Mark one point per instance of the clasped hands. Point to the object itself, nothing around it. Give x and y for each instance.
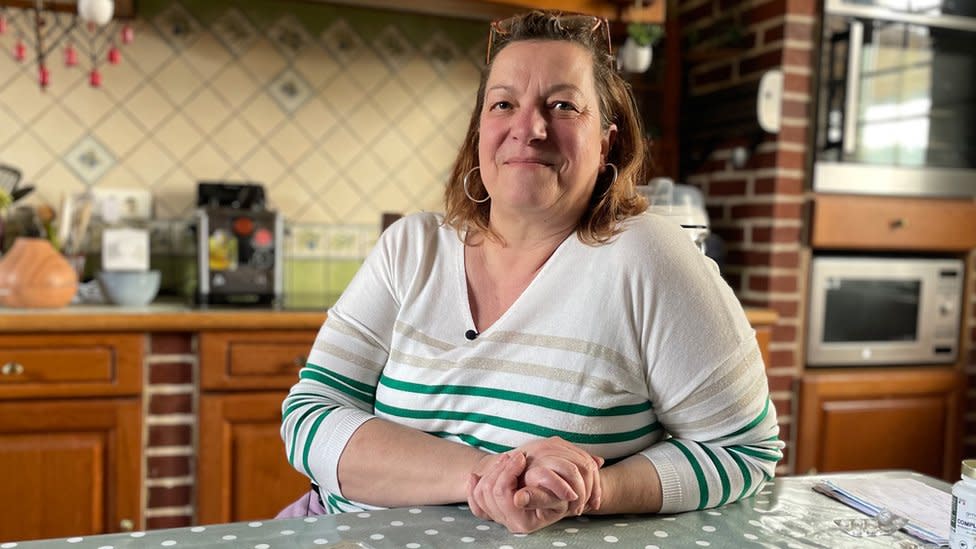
(535, 485)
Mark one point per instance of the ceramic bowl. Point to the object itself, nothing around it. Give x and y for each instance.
(129, 288)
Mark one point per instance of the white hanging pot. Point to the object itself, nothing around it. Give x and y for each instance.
(98, 12)
(634, 57)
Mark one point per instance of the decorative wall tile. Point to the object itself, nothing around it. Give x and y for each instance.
(337, 121)
(235, 31)
(289, 36)
(290, 90)
(342, 41)
(89, 159)
(177, 26)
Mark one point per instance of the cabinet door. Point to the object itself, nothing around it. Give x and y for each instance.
(69, 468)
(243, 473)
(880, 419)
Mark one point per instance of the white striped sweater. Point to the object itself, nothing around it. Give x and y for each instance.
(636, 346)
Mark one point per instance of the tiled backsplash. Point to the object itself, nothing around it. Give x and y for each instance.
(341, 112)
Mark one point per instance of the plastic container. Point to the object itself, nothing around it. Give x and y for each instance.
(962, 521)
(683, 204)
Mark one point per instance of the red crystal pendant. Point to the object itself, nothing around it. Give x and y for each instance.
(114, 56)
(43, 76)
(20, 51)
(70, 56)
(3, 24)
(95, 78)
(127, 34)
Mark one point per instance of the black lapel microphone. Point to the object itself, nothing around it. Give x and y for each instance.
(471, 335)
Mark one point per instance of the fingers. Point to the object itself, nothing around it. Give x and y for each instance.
(531, 497)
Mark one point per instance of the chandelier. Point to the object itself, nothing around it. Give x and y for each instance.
(82, 30)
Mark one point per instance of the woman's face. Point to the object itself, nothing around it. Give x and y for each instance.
(541, 145)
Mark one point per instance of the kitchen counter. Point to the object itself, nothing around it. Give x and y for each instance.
(785, 513)
(166, 317)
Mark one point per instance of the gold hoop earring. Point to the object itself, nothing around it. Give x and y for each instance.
(464, 184)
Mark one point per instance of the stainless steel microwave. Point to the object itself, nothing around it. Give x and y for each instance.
(895, 99)
(884, 310)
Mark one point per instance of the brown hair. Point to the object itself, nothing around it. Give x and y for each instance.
(613, 199)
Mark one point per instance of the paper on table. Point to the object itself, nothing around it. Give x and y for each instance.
(921, 504)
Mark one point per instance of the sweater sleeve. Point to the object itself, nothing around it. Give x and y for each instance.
(708, 384)
(336, 387)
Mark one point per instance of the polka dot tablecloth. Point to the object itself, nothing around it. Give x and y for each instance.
(786, 513)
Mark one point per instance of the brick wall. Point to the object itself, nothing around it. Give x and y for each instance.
(170, 424)
(756, 208)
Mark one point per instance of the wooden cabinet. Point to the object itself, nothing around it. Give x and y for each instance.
(851, 222)
(242, 471)
(70, 434)
(859, 419)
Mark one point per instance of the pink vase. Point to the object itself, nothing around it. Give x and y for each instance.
(34, 274)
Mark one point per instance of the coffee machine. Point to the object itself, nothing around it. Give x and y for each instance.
(239, 246)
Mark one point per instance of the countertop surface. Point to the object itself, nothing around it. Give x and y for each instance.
(180, 317)
(786, 513)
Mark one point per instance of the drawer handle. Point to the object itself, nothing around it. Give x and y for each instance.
(300, 361)
(126, 525)
(898, 223)
(12, 369)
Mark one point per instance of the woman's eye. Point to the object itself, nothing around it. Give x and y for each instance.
(563, 106)
(501, 106)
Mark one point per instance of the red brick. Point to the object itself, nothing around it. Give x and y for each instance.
(784, 333)
(171, 344)
(734, 280)
(177, 496)
(795, 109)
(802, 7)
(774, 34)
(793, 134)
(782, 405)
(798, 30)
(171, 404)
(796, 57)
(767, 283)
(696, 14)
(764, 12)
(727, 187)
(785, 308)
(716, 212)
(790, 160)
(784, 435)
(779, 185)
(722, 73)
(731, 235)
(170, 435)
(159, 523)
(780, 383)
(797, 83)
(767, 209)
(783, 235)
(168, 466)
(783, 359)
(760, 62)
(174, 373)
(766, 159)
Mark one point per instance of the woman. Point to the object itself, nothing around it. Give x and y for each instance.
(545, 349)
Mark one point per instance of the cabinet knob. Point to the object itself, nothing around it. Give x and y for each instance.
(12, 369)
(126, 525)
(898, 223)
(300, 361)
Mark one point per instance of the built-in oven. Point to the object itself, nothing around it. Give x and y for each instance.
(896, 98)
(884, 310)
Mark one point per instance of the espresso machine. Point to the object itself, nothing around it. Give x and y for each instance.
(239, 246)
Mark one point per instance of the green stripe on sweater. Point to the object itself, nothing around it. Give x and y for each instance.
(722, 474)
(699, 473)
(515, 425)
(746, 476)
(337, 382)
(515, 396)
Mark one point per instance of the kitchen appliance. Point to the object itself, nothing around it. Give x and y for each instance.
(884, 310)
(896, 100)
(239, 246)
(683, 204)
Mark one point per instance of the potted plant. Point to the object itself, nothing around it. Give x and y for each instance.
(637, 51)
